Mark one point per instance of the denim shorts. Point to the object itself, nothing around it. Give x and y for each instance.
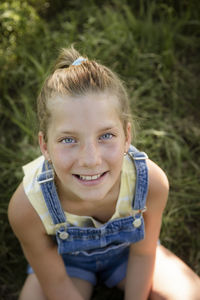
(108, 266)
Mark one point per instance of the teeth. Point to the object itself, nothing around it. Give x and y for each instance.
(89, 177)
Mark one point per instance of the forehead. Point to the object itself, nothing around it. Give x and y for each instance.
(103, 103)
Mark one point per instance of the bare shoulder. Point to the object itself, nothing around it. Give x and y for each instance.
(158, 186)
(22, 215)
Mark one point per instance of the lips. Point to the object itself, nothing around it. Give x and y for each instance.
(87, 178)
(94, 177)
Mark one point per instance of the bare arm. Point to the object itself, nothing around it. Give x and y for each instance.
(142, 254)
(40, 250)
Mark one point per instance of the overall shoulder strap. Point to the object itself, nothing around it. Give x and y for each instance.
(46, 181)
(141, 188)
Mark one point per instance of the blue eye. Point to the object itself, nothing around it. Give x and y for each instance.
(68, 140)
(106, 136)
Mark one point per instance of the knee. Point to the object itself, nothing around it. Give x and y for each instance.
(173, 279)
(182, 287)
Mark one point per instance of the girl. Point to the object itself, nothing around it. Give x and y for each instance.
(90, 207)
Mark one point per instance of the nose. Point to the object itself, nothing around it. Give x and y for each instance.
(90, 155)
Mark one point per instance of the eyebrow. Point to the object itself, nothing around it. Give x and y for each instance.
(107, 128)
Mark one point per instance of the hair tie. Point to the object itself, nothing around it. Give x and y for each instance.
(78, 61)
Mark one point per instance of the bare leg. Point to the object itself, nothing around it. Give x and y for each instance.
(33, 291)
(85, 287)
(172, 279)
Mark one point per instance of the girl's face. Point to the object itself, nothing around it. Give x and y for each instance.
(86, 145)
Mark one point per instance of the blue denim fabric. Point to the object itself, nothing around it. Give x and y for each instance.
(101, 252)
(109, 268)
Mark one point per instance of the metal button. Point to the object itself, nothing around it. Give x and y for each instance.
(137, 222)
(63, 235)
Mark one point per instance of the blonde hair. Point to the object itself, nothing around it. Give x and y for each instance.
(73, 80)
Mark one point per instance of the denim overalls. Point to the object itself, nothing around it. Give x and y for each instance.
(101, 252)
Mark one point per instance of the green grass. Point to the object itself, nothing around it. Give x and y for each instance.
(154, 47)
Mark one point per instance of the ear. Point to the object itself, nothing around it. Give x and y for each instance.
(128, 136)
(43, 145)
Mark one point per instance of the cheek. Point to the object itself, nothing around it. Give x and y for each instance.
(60, 159)
(62, 168)
(115, 157)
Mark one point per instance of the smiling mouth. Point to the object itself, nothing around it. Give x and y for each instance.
(89, 177)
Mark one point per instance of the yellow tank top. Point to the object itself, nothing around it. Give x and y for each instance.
(35, 196)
